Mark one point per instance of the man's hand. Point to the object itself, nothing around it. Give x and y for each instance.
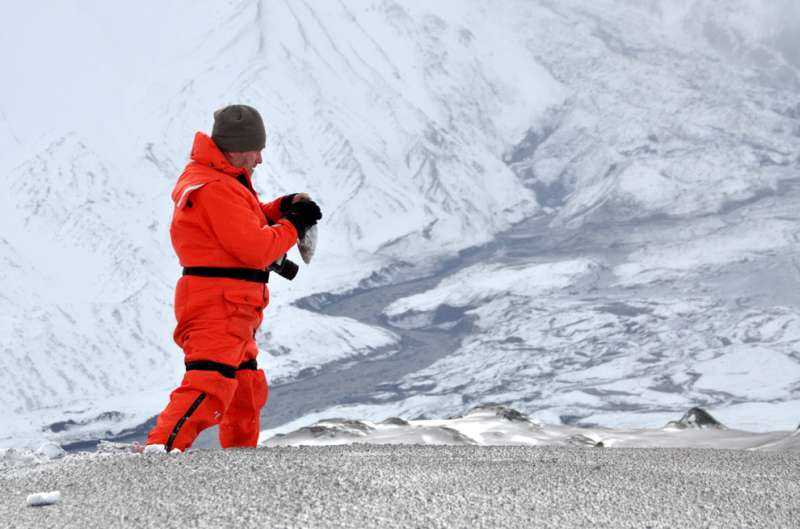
(289, 200)
(303, 213)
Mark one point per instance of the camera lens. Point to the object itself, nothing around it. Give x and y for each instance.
(285, 268)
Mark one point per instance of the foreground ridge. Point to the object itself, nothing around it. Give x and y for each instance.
(411, 486)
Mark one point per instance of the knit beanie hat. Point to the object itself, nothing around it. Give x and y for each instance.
(238, 128)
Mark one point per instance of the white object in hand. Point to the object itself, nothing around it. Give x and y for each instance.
(43, 498)
(308, 244)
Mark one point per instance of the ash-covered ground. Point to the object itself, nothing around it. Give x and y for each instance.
(411, 486)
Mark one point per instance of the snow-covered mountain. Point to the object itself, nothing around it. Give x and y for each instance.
(394, 116)
(662, 273)
(422, 129)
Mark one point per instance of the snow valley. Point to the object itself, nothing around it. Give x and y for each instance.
(623, 175)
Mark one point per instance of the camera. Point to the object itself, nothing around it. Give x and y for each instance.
(284, 267)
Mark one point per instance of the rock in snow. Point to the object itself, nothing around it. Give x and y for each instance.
(154, 449)
(696, 418)
(50, 451)
(40, 499)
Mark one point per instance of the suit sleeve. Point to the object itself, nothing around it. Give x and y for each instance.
(277, 208)
(239, 230)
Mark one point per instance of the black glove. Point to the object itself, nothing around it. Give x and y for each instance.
(303, 215)
(286, 203)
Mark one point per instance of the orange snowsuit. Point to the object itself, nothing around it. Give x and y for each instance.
(219, 222)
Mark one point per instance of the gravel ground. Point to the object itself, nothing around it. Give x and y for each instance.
(412, 486)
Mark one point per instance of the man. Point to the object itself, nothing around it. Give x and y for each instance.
(225, 239)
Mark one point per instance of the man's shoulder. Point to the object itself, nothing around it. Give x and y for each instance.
(197, 177)
(194, 177)
(195, 170)
(199, 174)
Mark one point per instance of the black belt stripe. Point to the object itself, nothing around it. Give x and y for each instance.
(206, 365)
(250, 364)
(196, 404)
(223, 369)
(245, 274)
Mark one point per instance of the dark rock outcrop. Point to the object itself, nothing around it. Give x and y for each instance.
(696, 418)
(500, 411)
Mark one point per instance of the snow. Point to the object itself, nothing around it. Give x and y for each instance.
(750, 415)
(422, 128)
(40, 499)
(85, 418)
(321, 339)
(88, 183)
(758, 372)
(484, 282)
(502, 426)
(50, 450)
(585, 349)
(16, 457)
(710, 245)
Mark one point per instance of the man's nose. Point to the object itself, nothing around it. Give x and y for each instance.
(258, 158)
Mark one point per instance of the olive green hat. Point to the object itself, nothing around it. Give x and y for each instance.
(239, 128)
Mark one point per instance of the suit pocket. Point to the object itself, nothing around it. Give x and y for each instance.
(244, 311)
(261, 389)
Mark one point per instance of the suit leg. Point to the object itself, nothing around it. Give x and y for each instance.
(197, 404)
(241, 422)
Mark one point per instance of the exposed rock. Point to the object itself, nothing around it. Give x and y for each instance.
(583, 440)
(336, 426)
(69, 424)
(500, 411)
(456, 436)
(696, 418)
(395, 421)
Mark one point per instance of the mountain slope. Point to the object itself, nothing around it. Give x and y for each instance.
(662, 272)
(639, 132)
(395, 116)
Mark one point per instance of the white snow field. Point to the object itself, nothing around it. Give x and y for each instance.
(655, 143)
